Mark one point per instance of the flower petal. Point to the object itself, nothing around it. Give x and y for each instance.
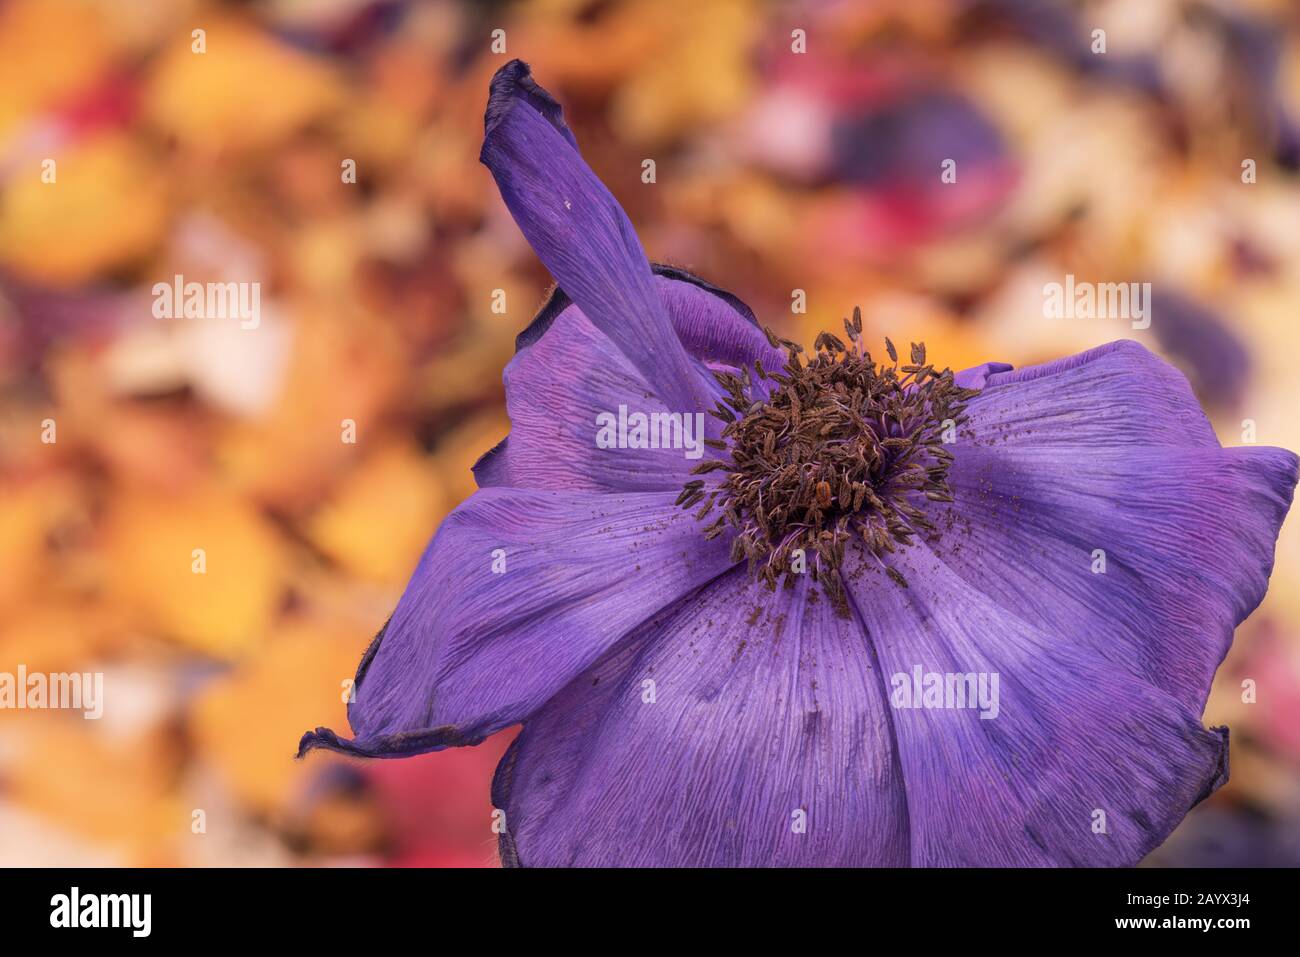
(976, 377)
(1079, 764)
(518, 593)
(1106, 456)
(567, 372)
(714, 325)
(741, 727)
(580, 232)
(1104, 670)
(557, 391)
(1147, 558)
(1116, 395)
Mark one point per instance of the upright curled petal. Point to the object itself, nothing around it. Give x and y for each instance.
(581, 234)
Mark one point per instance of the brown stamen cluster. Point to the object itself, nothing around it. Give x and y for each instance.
(840, 448)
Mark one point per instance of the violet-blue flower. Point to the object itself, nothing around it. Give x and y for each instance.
(890, 616)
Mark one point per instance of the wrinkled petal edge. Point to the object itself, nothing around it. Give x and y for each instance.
(514, 82)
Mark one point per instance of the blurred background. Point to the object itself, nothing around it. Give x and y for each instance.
(775, 171)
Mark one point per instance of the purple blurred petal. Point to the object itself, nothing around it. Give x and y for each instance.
(43, 316)
(764, 705)
(469, 651)
(1203, 343)
(1232, 837)
(581, 234)
(908, 138)
(1057, 27)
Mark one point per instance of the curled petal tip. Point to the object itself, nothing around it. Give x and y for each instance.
(403, 744)
(320, 738)
(977, 377)
(580, 232)
(511, 84)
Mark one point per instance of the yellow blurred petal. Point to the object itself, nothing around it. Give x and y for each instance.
(150, 552)
(339, 370)
(49, 50)
(248, 723)
(49, 633)
(701, 74)
(29, 511)
(379, 521)
(116, 791)
(246, 91)
(106, 208)
(903, 317)
(460, 448)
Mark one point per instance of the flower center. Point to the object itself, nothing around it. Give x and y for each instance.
(831, 448)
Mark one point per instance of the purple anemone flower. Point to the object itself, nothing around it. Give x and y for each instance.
(893, 615)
